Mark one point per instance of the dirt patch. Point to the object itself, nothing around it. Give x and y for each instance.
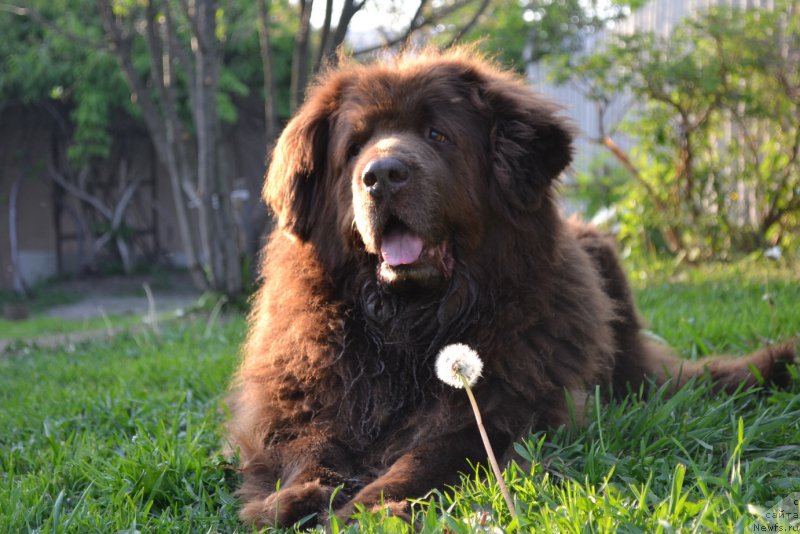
(118, 295)
(172, 294)
(99, 305)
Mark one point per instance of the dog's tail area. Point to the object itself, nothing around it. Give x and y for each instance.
(769, 365)
(640, 359)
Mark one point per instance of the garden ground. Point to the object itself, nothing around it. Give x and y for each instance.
(123, 434)
(76, 310)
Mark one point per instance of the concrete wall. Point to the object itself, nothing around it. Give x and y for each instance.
(23, 134)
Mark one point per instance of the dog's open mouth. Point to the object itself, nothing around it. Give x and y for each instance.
(405, 257)
(400, 245)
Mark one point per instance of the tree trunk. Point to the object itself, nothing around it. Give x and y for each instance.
(271, 123)
(19, 280)
(194, 174)
(217, 222)
(671, 233)
(300, 55)
(164, 129)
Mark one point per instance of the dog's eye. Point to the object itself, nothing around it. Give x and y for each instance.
(353, 151)
(437, 136)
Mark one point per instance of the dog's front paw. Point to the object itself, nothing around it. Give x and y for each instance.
(287, 506)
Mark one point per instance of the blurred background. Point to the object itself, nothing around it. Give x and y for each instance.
(134, 134)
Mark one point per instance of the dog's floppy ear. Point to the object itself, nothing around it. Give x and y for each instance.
(531, 142)
(295, 179)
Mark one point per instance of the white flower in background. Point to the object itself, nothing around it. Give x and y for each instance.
(456, 361)
(773, 253)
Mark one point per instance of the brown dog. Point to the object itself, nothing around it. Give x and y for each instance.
(416, 208)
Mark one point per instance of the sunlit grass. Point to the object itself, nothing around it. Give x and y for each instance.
(125, 435)
(118, 436)
(39, 326)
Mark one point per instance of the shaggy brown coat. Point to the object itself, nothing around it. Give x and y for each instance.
(416, 208)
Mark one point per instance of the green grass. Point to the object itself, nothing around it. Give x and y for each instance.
(45, 296)
(40, 325)
(111, 436)
(52, 293)
(722, 308)
(125, 435)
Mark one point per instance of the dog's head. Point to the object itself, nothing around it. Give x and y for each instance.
(409, 162)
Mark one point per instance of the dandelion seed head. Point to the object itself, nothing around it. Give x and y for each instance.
(457, 360)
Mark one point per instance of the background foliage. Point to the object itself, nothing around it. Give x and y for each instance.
(712, 142)
(45, 64)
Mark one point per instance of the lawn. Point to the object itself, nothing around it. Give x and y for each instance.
(38, 325)
(52, 294)
(125, 435)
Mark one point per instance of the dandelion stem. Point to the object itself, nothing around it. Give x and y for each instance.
(488, 446)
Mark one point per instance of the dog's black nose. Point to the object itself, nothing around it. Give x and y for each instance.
(385, 175)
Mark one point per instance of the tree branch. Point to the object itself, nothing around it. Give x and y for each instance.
(187, 11)
(468, 26)
(174, 47)
(267, 63)
(13, 237)
(36, 16)
(123, 202)
(300, 55)
(412, 24)
(672, 234)
(156, 46)
(121, 48)
(324, 44)
(79, 193)
(349, 9)
(415, 26)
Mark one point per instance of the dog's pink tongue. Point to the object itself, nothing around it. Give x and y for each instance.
(401, 248)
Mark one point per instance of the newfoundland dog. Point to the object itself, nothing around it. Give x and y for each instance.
(415, 208)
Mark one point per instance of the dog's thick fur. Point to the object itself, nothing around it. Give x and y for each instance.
(446, 152)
